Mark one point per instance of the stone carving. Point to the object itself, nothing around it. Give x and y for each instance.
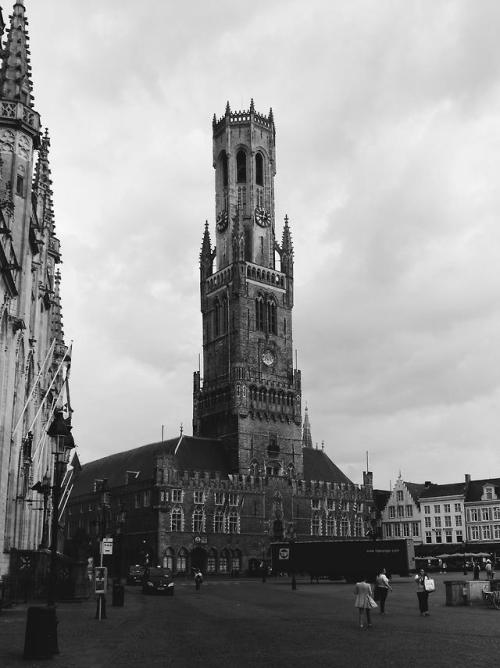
(24, 147)
(7, 141)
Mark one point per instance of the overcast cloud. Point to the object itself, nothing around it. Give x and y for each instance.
(388, 162)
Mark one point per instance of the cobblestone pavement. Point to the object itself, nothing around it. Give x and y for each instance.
(249, 623)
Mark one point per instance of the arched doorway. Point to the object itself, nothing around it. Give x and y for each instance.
(199, 559)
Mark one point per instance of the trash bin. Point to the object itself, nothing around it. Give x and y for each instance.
(118, 596)
(455, 592)
(40, 641)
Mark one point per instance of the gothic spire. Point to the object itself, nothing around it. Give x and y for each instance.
(286, 241)
(15, 72)
(42, 186)
(206, 245)
(306, 432)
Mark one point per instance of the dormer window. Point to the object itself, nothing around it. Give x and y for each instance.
(488, 493)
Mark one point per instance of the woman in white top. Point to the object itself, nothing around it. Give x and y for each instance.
(382, 587)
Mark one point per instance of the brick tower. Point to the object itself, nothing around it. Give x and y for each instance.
(250, 393)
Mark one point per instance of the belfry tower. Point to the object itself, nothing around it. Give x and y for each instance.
(250, 393)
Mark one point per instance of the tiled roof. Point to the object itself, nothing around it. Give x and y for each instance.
(192, 454)
(475, 489)
(453, 489)
(318, 466)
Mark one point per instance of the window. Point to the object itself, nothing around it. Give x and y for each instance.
(459, 536)
(359, 527)
(198, 497)
(485, 514)
(176, 496)
(427, 510)
(486, 532)
(259, 169)
(182, 561)
(163, 496)
(223, 564)
(447, 520)
(406, 529)
(146, 498)
(316, 525)
(448, 535)
(401, 511)
(458, 507)
(198, 521)
(415, 527)
(496, 513)
(225, 170)
(232, 499)
(458, 520)
(428, 537)
(409, 511)
(428, 523)
(399, 495)
(392, 512)
(397, 530)
(271, 317)
(211, 563)
(176, 520)
(259, 314)
(330, 504)
(439, 537)
(20, 185)
(219, 522)
(315, 504)
(330, 525)
(137, 500)
(437, 522)
(437, 509)
(241, 167)
(474, 515)
(388, 530)
(344, 527)
(233, 522)
(219, 498)
(235, 565)
(496, 531)
(488, 492)
(447, 508)
(474, 533)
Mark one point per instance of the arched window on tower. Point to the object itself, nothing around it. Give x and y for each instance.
(260, 319)
(217, 317)
(271, 317)
(259, 169)
(241, 167)
(225, 169)
(224, 316)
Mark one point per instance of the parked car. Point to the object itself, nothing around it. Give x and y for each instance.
(158, 580)
(135, 575)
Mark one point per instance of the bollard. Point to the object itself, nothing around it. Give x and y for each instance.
(40, 641)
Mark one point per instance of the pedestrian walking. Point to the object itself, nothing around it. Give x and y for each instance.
(198, 579)
(424, 585)
(382, 587)
(364, 602)
(476, 569)
(489, 570)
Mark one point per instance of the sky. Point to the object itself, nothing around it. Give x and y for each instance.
(388, 162)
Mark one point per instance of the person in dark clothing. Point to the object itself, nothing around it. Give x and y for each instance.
(476, 570)
(422, 593)
(382, 588)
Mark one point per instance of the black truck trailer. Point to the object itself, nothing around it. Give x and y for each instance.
(339, 559)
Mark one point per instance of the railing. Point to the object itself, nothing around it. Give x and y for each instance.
(18, 111)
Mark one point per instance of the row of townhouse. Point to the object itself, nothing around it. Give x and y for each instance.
(433, 514)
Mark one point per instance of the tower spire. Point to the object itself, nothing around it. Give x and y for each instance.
(42, 185)
(15, 71)
(306, 431)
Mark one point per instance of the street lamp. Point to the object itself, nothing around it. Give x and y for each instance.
(44, 488)
(60, 431)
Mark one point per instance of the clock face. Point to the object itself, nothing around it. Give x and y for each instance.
(222, 221)
(262, 216)
(268, 358)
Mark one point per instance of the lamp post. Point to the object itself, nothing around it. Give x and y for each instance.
(41, 628)
(44, 488)
(60, 431)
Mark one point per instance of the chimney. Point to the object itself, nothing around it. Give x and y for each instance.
(467, 478)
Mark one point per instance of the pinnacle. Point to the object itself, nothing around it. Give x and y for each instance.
(15, 74)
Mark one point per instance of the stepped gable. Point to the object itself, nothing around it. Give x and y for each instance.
(318, 466)
(475, 488)
(416, 489)
(190, 454)
(453, 489)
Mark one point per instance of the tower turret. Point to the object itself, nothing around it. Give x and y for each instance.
(306, 431)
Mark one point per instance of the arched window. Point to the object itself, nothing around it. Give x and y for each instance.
(241, 167)
(236, 562)
(224, 562)
(225, 169)
(224, 316)
(344, 527)
(168, 559)
(219, 521)
(198, 521)
(182, 561)
(330, 525)
(233, 522)
(211, 560)
(217, 317)
(176, 520)
(259, 169)
(260, 319)
(271, 317)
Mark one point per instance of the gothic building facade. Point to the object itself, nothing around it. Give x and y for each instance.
(34, 360)
(249, 474)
